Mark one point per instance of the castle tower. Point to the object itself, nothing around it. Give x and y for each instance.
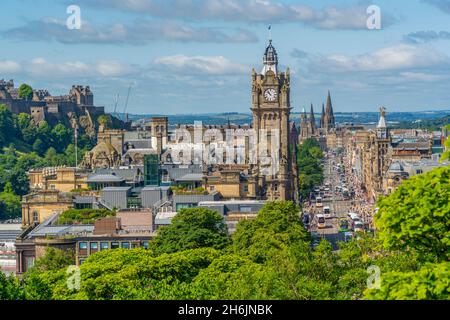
(271, 111)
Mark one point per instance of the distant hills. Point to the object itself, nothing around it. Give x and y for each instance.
(395, 119)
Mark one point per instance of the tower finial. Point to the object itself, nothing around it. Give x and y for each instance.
(270, 33)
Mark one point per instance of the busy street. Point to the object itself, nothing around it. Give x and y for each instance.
(338, 209)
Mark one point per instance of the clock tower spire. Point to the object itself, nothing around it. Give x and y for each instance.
(271, 108)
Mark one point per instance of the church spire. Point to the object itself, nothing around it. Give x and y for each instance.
(329, 121)
(312, 119)
(322, 118)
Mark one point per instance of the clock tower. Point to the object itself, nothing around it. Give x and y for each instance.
(271, 110)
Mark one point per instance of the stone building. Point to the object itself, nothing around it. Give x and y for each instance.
(271, 108)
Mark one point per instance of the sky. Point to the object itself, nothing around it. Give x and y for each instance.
(196, 56)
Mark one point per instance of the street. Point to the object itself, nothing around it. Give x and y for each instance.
(341, 194)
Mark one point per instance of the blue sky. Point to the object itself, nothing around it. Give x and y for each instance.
(196, 56)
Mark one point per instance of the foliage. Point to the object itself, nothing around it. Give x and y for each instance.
(10, 206)
(190, 229)
(309, 157)
(269, 257)
(27, 146)
(83, 216)
(446, 154)
(47, 271)
(417, 215)
(431, 282)
(10, 288)
(6, 124)
(25, 92)
(184, 189)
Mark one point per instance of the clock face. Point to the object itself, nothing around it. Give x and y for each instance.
(270, 95)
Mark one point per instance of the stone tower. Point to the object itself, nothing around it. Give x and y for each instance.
(381, 143)
(159, 131)
(271, 109)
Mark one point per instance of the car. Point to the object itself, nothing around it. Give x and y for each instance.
(343, 225)
(327, 212)
(358, 227)
(321, 223)
(348, 236)
(353, 216)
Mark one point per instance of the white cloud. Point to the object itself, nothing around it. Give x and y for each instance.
(264, 11)
(40, 68)
(215, 65)
(398, 57)
(137, 33)
(8, 66)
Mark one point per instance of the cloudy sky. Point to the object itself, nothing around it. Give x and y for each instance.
(196, 56)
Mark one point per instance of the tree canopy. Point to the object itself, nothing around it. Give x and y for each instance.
(417, 215)
(25, 92)
(191, 229)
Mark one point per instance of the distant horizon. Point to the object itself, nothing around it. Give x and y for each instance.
(249, 113)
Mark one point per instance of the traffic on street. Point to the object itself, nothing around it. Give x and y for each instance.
(337, 210)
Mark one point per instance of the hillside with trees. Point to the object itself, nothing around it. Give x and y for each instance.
(25, 145)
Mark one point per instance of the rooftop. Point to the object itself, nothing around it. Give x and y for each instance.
(99, 178)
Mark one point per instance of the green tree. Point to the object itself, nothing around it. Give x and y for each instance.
(7, 129)
(191, 229)
(25, 92)
(446, 154)
(416, 216)
(39, 146)
(10, 288)
(10, 203)
(47, 273)
(431, 282)
(309, 157)
(62, 137)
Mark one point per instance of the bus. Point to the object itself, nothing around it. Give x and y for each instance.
(327, 212)
(321, 222)
(319, 202)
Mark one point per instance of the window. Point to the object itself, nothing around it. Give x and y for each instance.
(104, 245)
(125, 245)
(82, 245)
(115, 245)
(29, 261)
(245, 188)
(246, 209)
(93, 246)
(35, 216)
(211, 188)
(145, 244)
(52, 187)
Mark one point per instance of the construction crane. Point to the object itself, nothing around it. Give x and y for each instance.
(126, 102)
(116, 102)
